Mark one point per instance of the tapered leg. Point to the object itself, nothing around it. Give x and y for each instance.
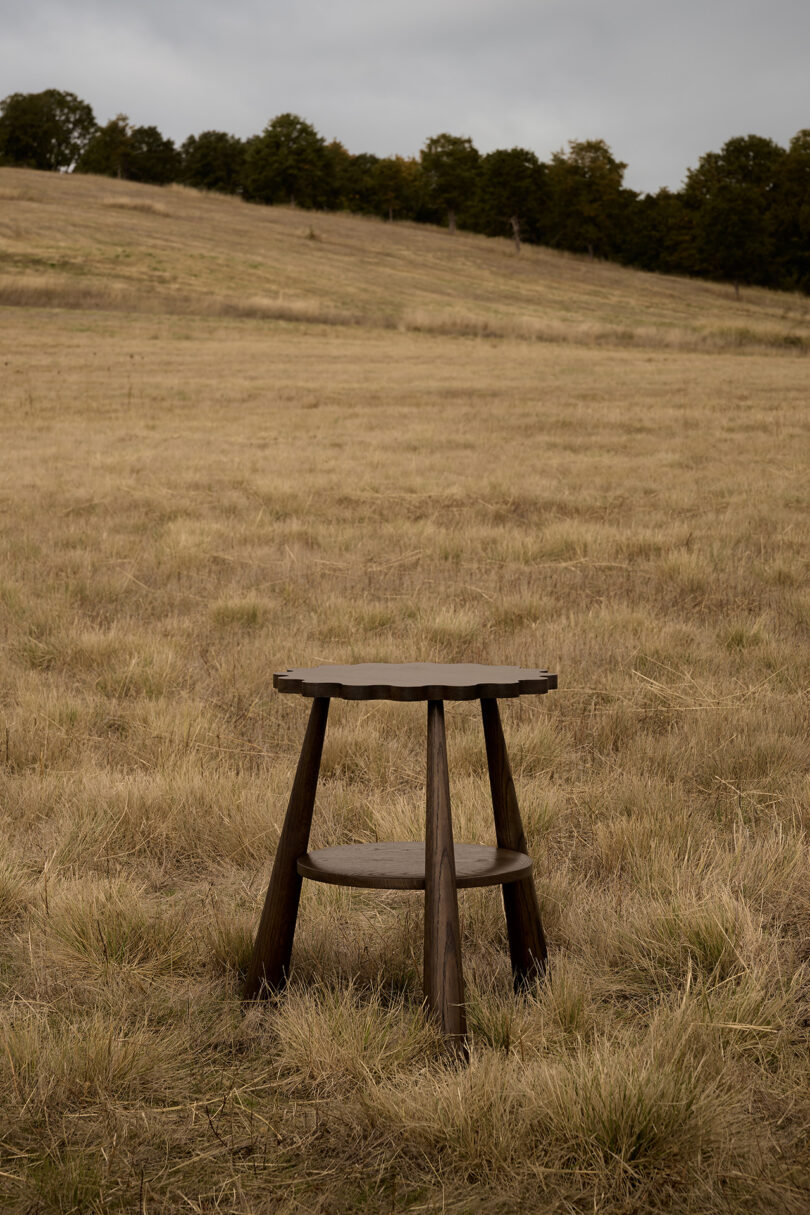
(270, 963)
(527, 945)
(443, 981)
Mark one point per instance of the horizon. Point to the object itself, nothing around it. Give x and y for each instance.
(661, 89)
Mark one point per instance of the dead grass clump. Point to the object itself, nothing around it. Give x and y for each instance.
(342, 1039)
(12, 194)
(528, 329)
(192, 819)
(643, 828)
(759, 1018)
(16, 893)
(658, 947)
(619, 1124)
(558, 1016)
(349, 935)
(45, 291)
(307, 312)
(147, 206)
(239, 613)
(52, 1063)
(226, 934)
(770, 871)
(99, 927)
(51, 292)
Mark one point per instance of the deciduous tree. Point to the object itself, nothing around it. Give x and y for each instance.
(107, 152)
(213, 160)
(47, 130)
(791, 215)
(732, 193)
(119, 149)
(351, 179)
(287, 163)
(511, 189)
(659, 234)
(399, 186)
(450, 165)
(587, 200)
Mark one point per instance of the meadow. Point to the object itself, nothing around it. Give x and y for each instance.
(237, 439)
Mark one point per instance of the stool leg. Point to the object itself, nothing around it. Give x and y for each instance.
(527, 945)
(270, 963)
(443, 981)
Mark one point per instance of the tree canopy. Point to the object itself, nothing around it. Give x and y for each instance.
(587, 200)
(287, 163)
(511, 194)
(397, 186)
(213, 161)
(742, 215)
(450, 164)
(791, 214)
(119, 149)
(47, 130)
(732, 195)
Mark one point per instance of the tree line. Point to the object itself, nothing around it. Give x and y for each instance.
(742, 215)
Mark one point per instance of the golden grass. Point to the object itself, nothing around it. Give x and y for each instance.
(92, 244)
(195, 492)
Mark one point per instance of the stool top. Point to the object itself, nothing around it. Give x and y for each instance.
(414, 681)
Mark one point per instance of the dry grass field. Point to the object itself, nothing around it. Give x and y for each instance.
(237, 439)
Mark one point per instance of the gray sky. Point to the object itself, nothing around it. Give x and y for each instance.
(663, 81)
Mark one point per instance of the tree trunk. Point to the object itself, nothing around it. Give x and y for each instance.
(451, 220)
(515, 222)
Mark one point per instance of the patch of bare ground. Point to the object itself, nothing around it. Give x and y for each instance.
(192, 498)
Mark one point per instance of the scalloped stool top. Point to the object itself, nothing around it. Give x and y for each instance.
(414, 681)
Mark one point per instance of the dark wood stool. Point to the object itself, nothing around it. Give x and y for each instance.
(437, 866)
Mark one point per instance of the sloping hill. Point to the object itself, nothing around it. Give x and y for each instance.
(97, 243)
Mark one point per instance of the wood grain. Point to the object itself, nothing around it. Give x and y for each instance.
(270, 963)
(527, 943)
(414, 681)
(443, 980)
(400, 865)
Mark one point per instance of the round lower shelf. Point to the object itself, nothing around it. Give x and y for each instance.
(401, 866)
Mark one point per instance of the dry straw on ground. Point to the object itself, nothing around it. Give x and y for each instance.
(228, 448)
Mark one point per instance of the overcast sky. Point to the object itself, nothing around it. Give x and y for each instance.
(662, 81)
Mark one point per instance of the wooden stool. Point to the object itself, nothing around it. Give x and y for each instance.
(437, 866)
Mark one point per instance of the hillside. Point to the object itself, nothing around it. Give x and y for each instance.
(98, 243)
